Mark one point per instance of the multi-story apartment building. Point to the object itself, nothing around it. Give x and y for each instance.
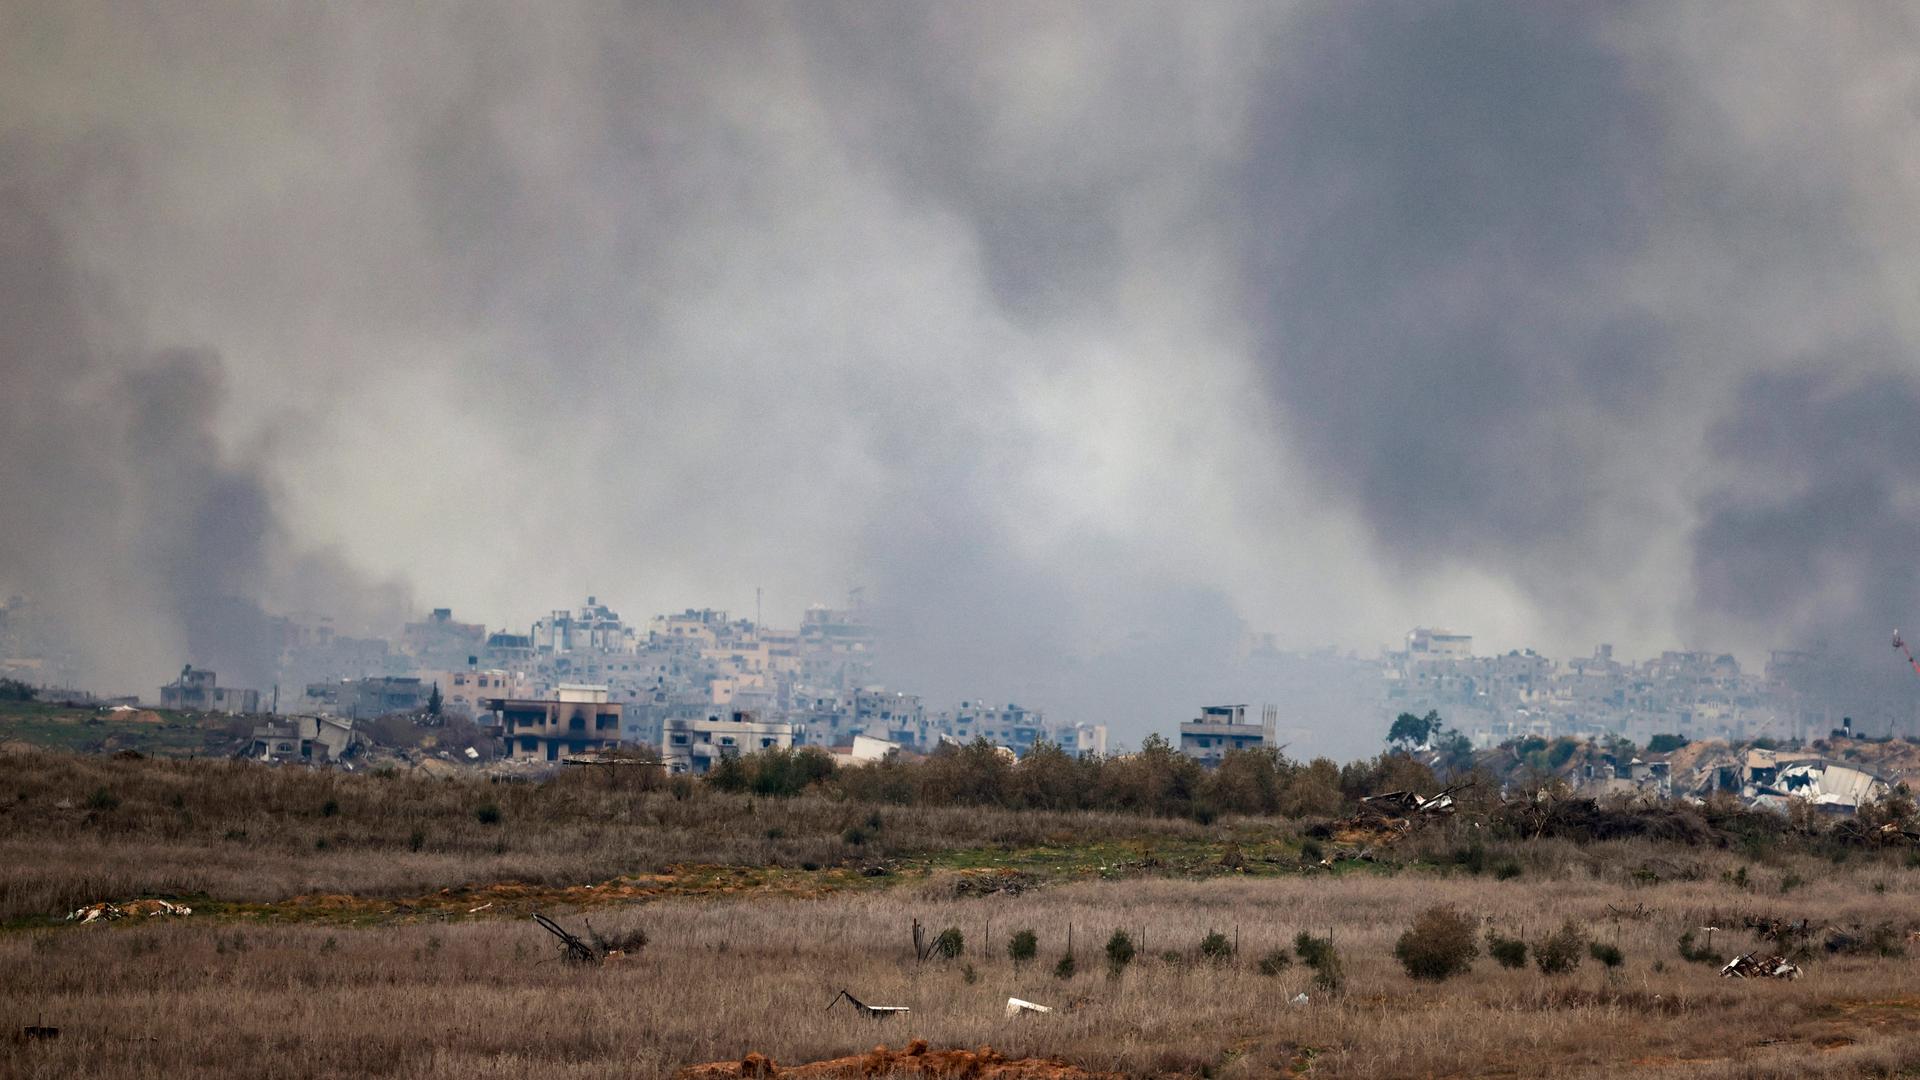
(1221, 728)
(576, 719)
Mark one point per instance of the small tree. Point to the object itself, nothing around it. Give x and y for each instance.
(1409, 730)
(15, 690)
(1023, 947)
(950, 944)
(1439, 945)
(1065, 968)
(435, 702)
(1318, 954)
(1119, 952)
(1216, 947)
(1559, 952)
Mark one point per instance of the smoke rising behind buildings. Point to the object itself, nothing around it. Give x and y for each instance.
(1082, 337)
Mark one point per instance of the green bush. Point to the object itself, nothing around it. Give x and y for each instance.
(1439, 945)
(487, 814)
(1559, 952)
(1507, 870)
(1216, 946)
(950, 944)
(1274, 962)
(1472, 858)
(1023, 946)
(102, 799)
(1508, 952)
(1610, 955)
(1064, 969)
(1318, 954)
(1119, 951)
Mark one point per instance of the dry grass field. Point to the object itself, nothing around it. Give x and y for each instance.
(389, 988)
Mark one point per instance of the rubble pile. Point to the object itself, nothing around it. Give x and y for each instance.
(107, 912)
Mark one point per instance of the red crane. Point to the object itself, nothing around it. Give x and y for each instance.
(1900, 644)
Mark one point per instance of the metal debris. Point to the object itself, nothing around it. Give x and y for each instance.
(1299, 998)
(1752, 967)
(1017, 1007)
(572, 948)
(874, 1012)
(1407, 803)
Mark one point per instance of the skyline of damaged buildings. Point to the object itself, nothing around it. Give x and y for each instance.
(1800, 695)
(699, 683)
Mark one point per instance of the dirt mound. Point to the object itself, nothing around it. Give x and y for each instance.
(912, 1060)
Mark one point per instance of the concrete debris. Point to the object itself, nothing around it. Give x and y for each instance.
(107, 912)
(1017, 1007)
(1751, 966)
(1299, 998)
(872, 1012)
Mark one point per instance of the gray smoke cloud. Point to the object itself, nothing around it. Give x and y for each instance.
(1083, 337)
(138, 536)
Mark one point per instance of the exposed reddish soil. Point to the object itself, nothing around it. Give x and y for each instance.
(912, 1060)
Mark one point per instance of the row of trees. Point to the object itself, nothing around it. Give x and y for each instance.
(1158, 780)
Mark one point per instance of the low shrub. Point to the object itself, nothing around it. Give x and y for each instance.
(1610, 955)
(1274, 962)
(1216, 947)
(1119, 951)
(950, 944)
(1559, 953)
(1507, 952)
(1319, 954)
(1439, 945)
(1023, 946)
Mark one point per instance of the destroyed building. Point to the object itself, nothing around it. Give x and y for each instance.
(693, 746)
(310, 739)
(367, 698)
(198, 690)
(577, 719)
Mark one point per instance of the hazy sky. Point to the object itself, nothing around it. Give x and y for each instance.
(1081, 336)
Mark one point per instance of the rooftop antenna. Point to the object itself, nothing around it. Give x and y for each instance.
(756, 607)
